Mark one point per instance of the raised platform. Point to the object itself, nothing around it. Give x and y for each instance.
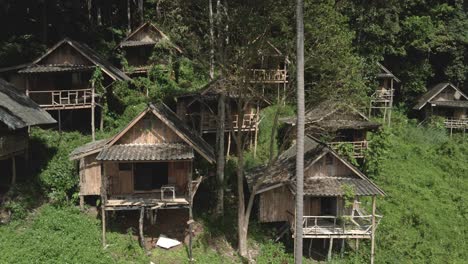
(134, 203)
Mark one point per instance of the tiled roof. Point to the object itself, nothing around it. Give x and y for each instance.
(87, 148)
(56, 68)
(18, 111)
(146, 152)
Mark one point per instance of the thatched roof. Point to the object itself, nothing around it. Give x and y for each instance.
(18, 111)
(147, 152)
(333, 115)
(282, 173)
(433, 92)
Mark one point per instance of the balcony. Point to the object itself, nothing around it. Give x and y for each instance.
(359, 147)
(454, 123)
(268, 76)
(63, 99)
(348, 226)
(12, 145)
(246, 123)
(383, 95)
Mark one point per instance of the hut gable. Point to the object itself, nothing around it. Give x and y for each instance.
(149, 130)
(385, 73)
(71, 56)
(443, 94)
(147, 35)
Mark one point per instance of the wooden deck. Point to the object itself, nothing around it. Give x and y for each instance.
(135, 202)
(268, 76)
(63, 99)
(453, 123)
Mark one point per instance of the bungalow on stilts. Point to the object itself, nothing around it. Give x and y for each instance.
(146, 46)
(146, 167)
(333, 192)
(339, 125)
(447, 101)
(60, 81)
(381, 103)
(17, 114)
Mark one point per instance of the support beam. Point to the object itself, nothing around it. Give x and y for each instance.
(310, 247)
(330, 247)
(103, 203)
(13, 170)
(93, 106)
(342, 247)
(103, 216)
(140, 224)
(190, 221)
(373, 230)
(82, 202)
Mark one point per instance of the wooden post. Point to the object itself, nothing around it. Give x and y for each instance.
(357, 244)
(13, 170)
(373, 230)
(93, 105)
(103, 203)
(101, 121)
(82, 202)
(256, 131)
(342, 247)
(330, 247)
(140, 223)
(229, 145)
(310, 247)
(60, 121)
(391, 103)
(190, 197)
(103, 216)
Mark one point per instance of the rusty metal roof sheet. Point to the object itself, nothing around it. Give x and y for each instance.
(146, 152)
(56, 68)
(18, 111)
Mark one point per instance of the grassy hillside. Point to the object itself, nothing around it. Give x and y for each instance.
(423, 171)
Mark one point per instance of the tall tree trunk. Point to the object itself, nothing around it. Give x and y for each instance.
(140, 11)
(44, 21)
(129, 17)
(220, 162)
(89, 5)
(212, 52)
(242, 223)
(300, 133)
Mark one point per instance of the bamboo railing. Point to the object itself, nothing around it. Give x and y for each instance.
(359, 147)
(247, 123)
(62, 99)
(456, 123)
(268, 76)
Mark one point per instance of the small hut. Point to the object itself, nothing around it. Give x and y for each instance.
(333, 190)
(382, 99)
(200, 111)
(61, 79)
(145, 46)
(147, 166)
(17, 113)
(338, 124)
(447, 101)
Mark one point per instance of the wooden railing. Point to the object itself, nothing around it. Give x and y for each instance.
(247, 123)
(343, 225)
(268, 76)
(383, 95)
(62, 99)
(12, 144)
(359, 147)
(456, 123)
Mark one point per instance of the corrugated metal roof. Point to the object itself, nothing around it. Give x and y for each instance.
(335, 186)
(146, 152)
(454, 104)
(18, 111)
(56, 68)
(89, 147)
(135, 43)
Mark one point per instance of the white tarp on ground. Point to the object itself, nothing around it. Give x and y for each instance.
(167, 243)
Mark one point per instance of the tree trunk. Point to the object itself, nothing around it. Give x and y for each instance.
(220, 162)
(300, 134)
(242, 228)
(129, 17)
(212, 52)
(44, 21)
(140, 11)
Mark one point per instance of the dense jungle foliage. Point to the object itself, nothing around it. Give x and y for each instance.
(423, 170)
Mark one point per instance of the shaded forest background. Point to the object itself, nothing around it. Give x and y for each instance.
(422, 42)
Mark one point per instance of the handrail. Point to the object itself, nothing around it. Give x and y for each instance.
(58, 98)
(249, 121)
(268, 75)
(456, 122)
(358, 146)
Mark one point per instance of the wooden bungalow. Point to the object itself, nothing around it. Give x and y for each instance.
(145, 46)
(60, 79)
(17, 113)
(147, 166)
(447, 101)
(270, 71)
(200, 111)
(333, 191)
(338, 124)
(382, 99)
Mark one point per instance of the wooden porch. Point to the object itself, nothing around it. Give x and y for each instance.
(456, 123)
(63, 99)
(359, 147)
(338, 227)
(248, 122)
(268, 76)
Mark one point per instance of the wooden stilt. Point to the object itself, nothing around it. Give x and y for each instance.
(373, 230)
(228, 146)
(13, 170)
(60, 120)
(310, 247)
(342, 247)
(330, 247)
(101, 120)
(82, 202)
(140, 224)
(93, 105)
(357, 244)
(190, 222)
(103, 216)
(256, 131)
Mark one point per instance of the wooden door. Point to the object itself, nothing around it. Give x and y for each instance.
(126, 182)
(312, 206)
